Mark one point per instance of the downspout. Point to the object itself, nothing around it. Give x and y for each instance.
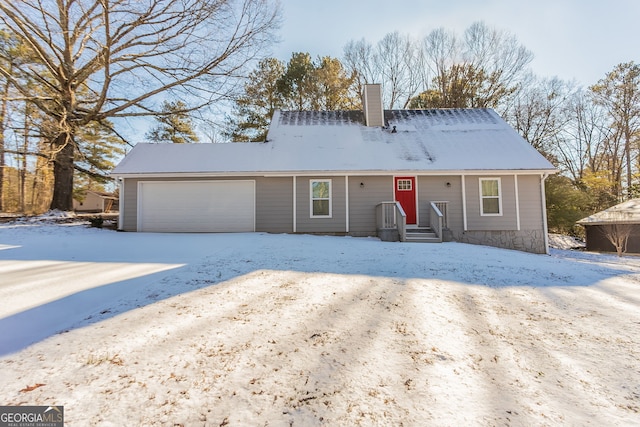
(120, 202)
(515, 178)
(464, 203)
(295, 202)
(346, 191)
(544, 212)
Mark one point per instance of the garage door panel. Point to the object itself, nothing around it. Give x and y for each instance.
(197, 206)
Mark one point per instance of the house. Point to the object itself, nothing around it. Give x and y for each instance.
(619, 221)
(95, 201)
(452, 174)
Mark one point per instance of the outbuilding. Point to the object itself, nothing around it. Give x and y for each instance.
(620, 223)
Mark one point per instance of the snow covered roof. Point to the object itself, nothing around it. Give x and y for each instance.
(444, 140)
(625, 212)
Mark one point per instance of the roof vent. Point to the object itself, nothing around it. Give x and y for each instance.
(372, 105)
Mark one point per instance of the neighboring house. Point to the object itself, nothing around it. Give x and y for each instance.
(95, 201)
(616, 222)
(465, 171)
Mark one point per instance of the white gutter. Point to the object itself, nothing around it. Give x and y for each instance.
(282, 174)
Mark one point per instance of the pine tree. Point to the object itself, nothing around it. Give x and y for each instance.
(299, 84)
(255, 107)
(336, 88)
(174, 125)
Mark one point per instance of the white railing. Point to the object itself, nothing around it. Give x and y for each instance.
(391, 216)
(435, 220)
(443, 207)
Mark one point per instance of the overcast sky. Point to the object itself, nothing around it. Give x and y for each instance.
(571, 39)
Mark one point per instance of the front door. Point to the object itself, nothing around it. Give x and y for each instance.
(406, 195)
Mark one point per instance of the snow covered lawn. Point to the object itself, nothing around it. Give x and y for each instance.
(280, 330)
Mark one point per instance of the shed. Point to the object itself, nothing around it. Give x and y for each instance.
(619, 220)
(96, 201)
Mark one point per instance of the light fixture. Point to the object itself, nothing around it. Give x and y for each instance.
(448, 184)
(362, 185)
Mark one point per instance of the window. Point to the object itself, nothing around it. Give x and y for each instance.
(321, 198)
(490, 197)
(404, 185)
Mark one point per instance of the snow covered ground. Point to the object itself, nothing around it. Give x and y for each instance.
(280, 330)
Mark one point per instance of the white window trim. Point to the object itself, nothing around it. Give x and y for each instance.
(404, 180)
(480, 181)
(311, 199)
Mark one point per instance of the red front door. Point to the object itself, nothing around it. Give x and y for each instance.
(406, 195)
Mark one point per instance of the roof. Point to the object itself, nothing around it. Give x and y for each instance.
(101, 194)
(443, 140)
(626, 212)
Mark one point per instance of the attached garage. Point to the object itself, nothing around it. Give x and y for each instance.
(196, 206)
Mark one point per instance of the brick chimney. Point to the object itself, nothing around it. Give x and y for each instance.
(372, 105)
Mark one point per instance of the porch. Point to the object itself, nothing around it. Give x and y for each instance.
(391, 223)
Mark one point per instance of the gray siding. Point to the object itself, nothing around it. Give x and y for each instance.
(502, 231)
(274, 205)
(506, 221)
(434, 188)
(130, 208)
(337, 223)
(530, 197)
(364, 199)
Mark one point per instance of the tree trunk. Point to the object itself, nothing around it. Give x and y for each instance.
(63, 173)
(23, 181)
(3, 114)
(629, 173)
(1, 170)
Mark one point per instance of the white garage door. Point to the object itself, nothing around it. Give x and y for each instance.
(196, 206)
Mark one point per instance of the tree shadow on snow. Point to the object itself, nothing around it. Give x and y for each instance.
(204, 260)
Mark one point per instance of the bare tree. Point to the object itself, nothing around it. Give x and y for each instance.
(540, 112)
(583, 146)
(100, 59)
(499, 54)
(489, 62)
(359, 58)
(441, 53)
(395, 62)
(619, 93)
(618, 235)
(396, 57)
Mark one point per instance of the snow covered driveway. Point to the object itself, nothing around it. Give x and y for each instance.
(279, 330)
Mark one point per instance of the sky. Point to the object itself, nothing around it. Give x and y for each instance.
(579, 40)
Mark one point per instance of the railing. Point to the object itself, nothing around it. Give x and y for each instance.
(391, 216)
(435, 220)
(443, 207)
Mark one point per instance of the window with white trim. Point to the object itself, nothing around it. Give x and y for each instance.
(490, 197)
(404, 185)
(320, 190)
